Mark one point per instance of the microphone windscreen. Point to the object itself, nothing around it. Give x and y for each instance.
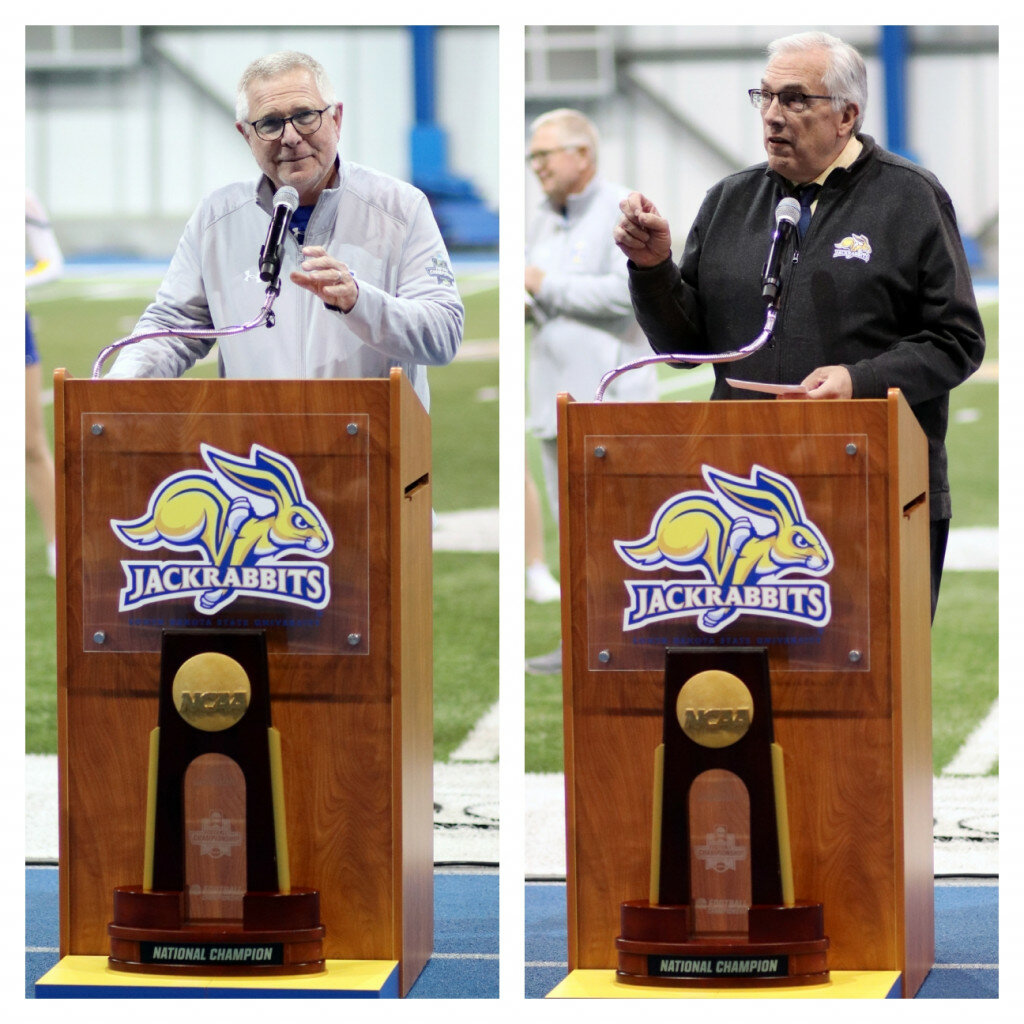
(287, 196)
(788, 210)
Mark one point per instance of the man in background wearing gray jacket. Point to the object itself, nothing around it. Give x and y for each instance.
(577, 289)
(374, 288)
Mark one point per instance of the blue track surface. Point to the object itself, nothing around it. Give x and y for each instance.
(465, 960)
(966, 941)
(464, 964)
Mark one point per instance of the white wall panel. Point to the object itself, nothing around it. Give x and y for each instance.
(468, 104)
(952, 117)
(128, 154)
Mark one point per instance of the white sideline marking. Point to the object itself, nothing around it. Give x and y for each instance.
(465, 811)
(966, 825)
(466, 815)
(463, 956)
(973, 548)
(980, 751)
(482, 742)
(474, 529)
(40, 807)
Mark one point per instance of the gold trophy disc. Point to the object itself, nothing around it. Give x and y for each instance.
(714, 708)
(211, 691)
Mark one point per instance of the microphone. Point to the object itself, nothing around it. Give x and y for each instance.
(286, 202)
(787, 214)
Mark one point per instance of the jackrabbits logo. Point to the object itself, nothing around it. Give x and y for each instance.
(852, 247)
(244, 517)
(747, 541)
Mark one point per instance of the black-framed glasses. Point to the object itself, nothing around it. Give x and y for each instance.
(794, 102)
(305, 122)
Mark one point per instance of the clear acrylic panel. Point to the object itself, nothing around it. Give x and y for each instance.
(727, 541)
(251, 521)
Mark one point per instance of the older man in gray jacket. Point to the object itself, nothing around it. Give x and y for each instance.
(576, 282)
(577, 290)
(374, 285)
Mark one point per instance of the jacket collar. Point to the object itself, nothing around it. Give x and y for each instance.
(577, 202)
(839, 177)
(264, 189)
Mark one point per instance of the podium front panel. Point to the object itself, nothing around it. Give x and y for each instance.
(326, 489)
(723, 541)
(685, 512)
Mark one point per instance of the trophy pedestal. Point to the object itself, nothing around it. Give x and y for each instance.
(280, 933)
(782, 946)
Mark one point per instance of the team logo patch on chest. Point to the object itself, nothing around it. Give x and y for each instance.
(852, 247)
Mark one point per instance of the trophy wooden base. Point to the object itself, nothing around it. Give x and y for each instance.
(782, 946)
(280, 933)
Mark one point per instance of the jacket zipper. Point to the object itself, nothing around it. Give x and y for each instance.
(787, 286)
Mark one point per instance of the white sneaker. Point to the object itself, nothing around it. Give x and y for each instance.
(549, 664)
(541, 586)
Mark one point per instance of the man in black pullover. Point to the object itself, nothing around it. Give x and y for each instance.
(876, 292)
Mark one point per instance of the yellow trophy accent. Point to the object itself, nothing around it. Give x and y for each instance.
(284, 879)
(782, 825)
(150, 838)
(659, 782)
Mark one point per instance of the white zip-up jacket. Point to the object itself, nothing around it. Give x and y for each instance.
(407, 314)
(582, 315)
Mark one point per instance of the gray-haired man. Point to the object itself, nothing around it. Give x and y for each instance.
(373, 283)
(877, 292)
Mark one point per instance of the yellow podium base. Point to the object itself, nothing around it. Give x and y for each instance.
(89, 977)
(591, 984)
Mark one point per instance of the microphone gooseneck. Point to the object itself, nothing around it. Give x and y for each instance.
(286, 202)
(787, 215)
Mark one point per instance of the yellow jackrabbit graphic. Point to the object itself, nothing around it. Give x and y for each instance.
(243, 513)
(715, 535)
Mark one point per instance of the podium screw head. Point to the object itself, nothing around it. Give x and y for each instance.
(851, 449)
(353, 429)
(855, 656)
(604, 657)
(97, 429)
(99, 637)
(600, 451)
(353, 639)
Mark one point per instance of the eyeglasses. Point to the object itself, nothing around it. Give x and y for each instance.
(306, 122)
(539, 156)
(794, 102)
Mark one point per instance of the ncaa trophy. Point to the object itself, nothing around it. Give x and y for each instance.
(721, 908)
(216, 895)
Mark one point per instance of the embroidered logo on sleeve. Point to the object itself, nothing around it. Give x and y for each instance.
(852, 247)
(439, 269)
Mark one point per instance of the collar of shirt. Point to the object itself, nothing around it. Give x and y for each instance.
(847, 156)
(577, 202)
(266, 190)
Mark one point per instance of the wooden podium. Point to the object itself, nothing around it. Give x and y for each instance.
(348, 633)
(850, 668)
